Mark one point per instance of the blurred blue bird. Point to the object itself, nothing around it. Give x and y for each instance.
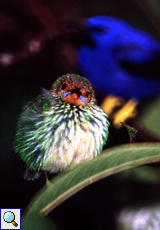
(116, 42)
(118, 54)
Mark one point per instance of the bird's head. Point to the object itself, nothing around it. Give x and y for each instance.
(73, 89)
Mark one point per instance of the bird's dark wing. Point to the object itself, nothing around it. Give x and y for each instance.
(26, 143)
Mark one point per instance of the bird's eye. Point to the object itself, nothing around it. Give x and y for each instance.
(88, 93)
(64, 85)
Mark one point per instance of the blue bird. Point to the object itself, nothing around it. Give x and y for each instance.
(118, 46)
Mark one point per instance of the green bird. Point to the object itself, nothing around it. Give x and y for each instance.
(61, 128)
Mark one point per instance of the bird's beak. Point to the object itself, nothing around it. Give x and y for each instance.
(74, 97)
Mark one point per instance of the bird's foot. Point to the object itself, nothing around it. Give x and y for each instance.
(119, 111)
(48, 183)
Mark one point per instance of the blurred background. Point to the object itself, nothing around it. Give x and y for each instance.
(38, 43)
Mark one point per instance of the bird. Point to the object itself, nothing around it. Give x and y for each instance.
(115, 41)
(61, 128)
(118, 62)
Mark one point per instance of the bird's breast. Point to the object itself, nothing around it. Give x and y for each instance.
(77, 137)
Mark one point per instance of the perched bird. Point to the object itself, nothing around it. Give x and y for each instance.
(119, 62)
(61, 127)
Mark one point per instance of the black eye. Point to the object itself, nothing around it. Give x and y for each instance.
(64, 85)
(87, 94)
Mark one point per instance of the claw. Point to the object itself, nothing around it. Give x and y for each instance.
(48, 183)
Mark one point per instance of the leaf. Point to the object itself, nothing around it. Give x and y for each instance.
(143, 174)
(112, 161)
(150, 117)
(36, 222)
